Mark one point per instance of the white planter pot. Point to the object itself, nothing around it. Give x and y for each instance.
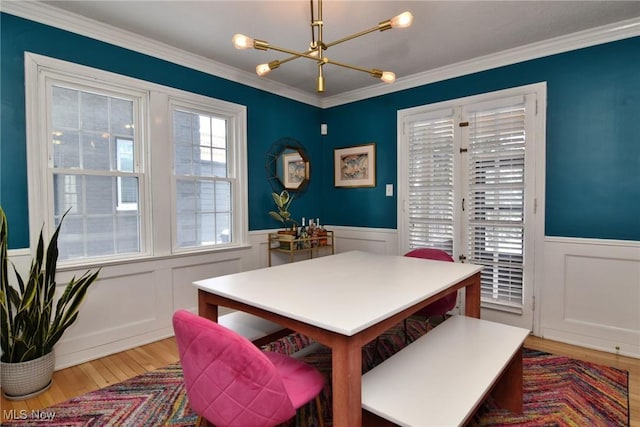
(27, 379)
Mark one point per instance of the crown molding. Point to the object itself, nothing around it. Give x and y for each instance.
(52, 16)
(591, 37)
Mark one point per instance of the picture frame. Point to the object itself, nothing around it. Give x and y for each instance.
(294, 170)
(355, 166)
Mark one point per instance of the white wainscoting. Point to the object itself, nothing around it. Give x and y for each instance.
(376, 240)
(590, 294)
(132, 303)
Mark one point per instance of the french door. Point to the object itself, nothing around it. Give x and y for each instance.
(467, 185)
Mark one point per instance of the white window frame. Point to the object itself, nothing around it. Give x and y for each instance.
(154, 155)
(203, 105)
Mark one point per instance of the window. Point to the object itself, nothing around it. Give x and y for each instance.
(204, 186)
(99, 158)
(467, 186)
(92, 170)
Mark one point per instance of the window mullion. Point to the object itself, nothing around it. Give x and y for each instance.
(461, 187)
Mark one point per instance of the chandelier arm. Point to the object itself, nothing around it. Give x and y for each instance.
(292, 52)
(373, 71)
(313, 34)
(320, 24)
(291, 58)
(382, 26)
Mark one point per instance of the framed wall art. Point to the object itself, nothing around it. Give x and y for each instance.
(355, 166)
(295, 170)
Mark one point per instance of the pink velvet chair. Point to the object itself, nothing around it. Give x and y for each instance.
(444, 304)
(231, 382)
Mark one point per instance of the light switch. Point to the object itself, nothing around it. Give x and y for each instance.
(389, 190)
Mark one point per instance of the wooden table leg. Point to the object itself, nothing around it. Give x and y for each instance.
(472, 297)
(346, 383)
(206, 310)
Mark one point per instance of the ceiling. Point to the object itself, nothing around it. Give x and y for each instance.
(443, 32)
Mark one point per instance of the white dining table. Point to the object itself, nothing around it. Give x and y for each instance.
(342, 301)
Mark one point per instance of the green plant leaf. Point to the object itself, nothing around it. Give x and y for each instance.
(282, 201)
(277, 198)
(276, 216)
(26, 327)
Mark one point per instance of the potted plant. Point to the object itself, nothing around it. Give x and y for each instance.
(30, 325)
(283, 201)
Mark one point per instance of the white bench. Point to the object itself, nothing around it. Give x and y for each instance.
(442, 378)
(256, 329)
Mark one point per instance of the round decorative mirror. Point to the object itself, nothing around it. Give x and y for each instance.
(288, 167)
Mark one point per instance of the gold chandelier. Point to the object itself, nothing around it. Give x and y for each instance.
(317, 47)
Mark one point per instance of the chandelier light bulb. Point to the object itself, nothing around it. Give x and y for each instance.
(388, 77)
(263, 69)
(240, 41)
(403, 20)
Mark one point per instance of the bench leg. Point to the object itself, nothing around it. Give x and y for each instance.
(507, 392)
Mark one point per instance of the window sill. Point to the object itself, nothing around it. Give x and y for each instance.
(93, 264)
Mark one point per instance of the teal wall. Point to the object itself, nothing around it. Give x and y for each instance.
(270, 117)
(592, 151)
(593, 146)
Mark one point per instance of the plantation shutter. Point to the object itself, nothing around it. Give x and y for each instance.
(495, 202)
(430, 180)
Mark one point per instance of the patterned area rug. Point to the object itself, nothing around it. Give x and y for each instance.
(558, 391)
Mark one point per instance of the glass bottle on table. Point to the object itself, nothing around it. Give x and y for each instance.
(322, 233)
(302, 234)
(312, 231)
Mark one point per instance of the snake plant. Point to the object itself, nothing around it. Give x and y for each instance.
(29, 324)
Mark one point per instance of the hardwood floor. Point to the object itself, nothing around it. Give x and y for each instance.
(80, 379)
(89, 376)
